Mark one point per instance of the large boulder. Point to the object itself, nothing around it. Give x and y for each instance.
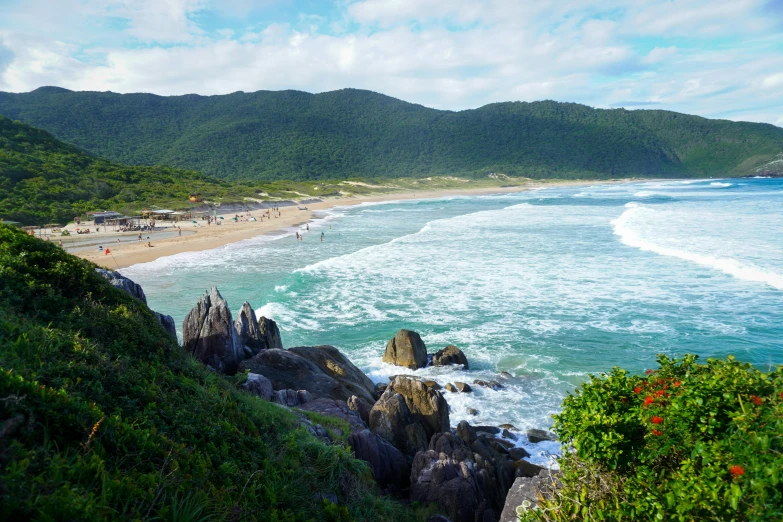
(448, 356)
(118, 280)
(338, 367)
(335, 377)
(465, 477)
(535, 436)
(525, 493)
(167, 322)
(258, 385)
(406, 349)
(248, 333)
(269, 333)
(408, 414)
(208, 333)
(388, 464)
(338, 409)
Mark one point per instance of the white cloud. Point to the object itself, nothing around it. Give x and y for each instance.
(509, 50)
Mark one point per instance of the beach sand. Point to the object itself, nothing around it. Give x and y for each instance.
(129, 251)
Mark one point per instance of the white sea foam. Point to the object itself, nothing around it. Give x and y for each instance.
(719, 184)
(623, 227)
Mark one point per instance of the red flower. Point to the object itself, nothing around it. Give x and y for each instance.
(737, 471)
(659, 393)
(638, 389)
(648, 400)
(676, 383)
(781, 395)
(657, 433)
(657, 420)
(647, 372)
(756, 400)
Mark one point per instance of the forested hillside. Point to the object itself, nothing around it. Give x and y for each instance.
(43, 180)
(353, 133)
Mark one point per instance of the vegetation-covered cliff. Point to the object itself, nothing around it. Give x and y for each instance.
(104, 417)
(354, 133)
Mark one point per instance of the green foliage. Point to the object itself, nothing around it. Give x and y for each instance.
(103, 417)
(43, 180)
(686, 442)
(353, 133)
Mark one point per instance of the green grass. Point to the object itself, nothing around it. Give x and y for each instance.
(112, 421)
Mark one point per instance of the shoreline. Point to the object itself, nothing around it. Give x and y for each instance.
(125, 251)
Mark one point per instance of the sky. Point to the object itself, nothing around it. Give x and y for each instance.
(714, 58)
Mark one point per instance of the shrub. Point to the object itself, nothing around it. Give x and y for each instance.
(688, 441)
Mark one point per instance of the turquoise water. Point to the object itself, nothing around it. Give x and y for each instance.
(549, 285)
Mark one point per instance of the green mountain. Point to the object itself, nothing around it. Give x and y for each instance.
(354, 133)
(104, 417)
(43, 180)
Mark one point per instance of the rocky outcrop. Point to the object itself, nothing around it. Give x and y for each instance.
(448, 356)
(118, 280)
(361, 407)
(406, 349)
(338, 409)
(287, 369)
(291, 398)
(464, 477)
(463, 387)
(269, 334)
(408, 414)
(258, 385)
(167, 322)
(208, 333)
(535, 436)
(248, 332)
(524, 494)
(338, 367)
(388, 464)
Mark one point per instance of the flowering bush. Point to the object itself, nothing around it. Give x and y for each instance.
(688, 441)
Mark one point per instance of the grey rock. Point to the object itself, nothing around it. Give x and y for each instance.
(379, 389)
(527, 469)
(451, 388)
(118, 280)
(408, 414)
(508, 427)
(337, 409)
(208, 333)
(432, 385)
(338, 367)
(288, 369)
(406, 349)
(448, 356)
(526, 491)
(248, 333)
(494, 385)
(269, 333)
(473, 411)
(361, 407)
(518, 453)
(540, 435)
(291, 398)
(389, 465)
(258, 385)
(462, 387)
(167, 322)
(506, 375)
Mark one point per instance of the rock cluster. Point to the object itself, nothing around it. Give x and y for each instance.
(408, 350)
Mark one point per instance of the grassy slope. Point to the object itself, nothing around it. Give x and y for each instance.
(353, 133)
(114, 422)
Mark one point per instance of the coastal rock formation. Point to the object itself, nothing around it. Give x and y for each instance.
(388, 464)
(258, 385)
(291, 398)
(468, 485)
(338, 367)
(408, 414)
(248, 332)
(118, 280)
(524, 494)
(208, 333)
(338, 409)
(462, 387)
(361, 407)
(495, 385)
(167, 322)
(448, 356)
(406, 349)
(269, 334)
(540, 435)
(337, 379)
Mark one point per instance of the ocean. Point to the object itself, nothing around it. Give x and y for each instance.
(549, 285)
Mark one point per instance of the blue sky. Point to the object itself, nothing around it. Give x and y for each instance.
(715, 58)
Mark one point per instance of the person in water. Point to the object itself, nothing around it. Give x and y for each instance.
(322, 237)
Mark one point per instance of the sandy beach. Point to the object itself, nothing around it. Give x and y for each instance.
(165, 240)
